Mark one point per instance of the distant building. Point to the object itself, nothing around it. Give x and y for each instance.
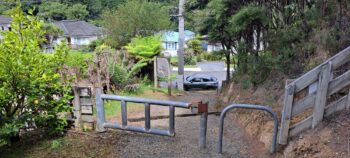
(5, 23)
(78, 33)
(170, 41)
(210, 46)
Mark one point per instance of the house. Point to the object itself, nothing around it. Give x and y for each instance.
(210, 46)
(170, 41)
(5, 23)
(77, 33)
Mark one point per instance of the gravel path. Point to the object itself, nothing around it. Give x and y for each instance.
(185, 142)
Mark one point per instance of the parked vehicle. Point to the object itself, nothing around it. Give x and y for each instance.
(202, 81)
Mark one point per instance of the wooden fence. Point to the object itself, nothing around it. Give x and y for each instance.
(312, 93)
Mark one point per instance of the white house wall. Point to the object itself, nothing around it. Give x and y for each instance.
(4, 27)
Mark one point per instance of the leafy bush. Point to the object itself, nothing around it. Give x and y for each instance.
(119, 76)
(260, 68)
(79, 60)
(94, 44)
(195, 45)
(189, 58)
(31, 90)
(144, 47)
(214, 56)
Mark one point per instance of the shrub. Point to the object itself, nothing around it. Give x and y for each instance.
(31, 90)
(144, 47)
(189, 58)
(119, 76)
(94, 44)
(214, 56)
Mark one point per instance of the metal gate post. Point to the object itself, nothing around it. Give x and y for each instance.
(100, 111)
(247, 106)
(203, 110)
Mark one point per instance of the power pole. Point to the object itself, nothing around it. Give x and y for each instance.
(181, 50)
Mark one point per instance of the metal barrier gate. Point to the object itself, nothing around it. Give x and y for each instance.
(102, 124)
(247, 106)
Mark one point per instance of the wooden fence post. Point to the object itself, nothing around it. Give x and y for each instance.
(321, 94)
(286, 113)
(76, 107)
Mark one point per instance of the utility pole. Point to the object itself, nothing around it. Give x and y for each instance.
(181, 50)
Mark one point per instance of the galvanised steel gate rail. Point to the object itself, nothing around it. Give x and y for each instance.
(102, 124)
(247, 106)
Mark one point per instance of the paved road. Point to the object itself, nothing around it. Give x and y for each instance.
(216, 69)
(212, 66)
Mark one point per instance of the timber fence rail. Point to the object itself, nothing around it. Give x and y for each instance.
(317, 85)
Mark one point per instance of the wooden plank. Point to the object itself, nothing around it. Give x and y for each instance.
(336, 106)
(321, 94)
(84, 92)
(341, 58)
(307, 79)
(87, 118)
(339, 83)
(301, 126)
(86, 110)
(286, 113)
(306, 102)
(85, 101)
(311, 76)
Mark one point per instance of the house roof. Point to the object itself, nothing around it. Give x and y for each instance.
(5, 19)
(78, 28)
(172, 36)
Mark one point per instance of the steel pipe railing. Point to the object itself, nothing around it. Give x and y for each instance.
(247, 106)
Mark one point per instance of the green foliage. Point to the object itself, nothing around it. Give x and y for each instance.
(119, 77)
(94, 44)
(259, 69)
(31, 90)
(214, 56)
(247, 16)
(51, 10)
(189, 58)
(144, 47)
(77, 11)
(195, 45)
(79, 60)
(133, 18)
(55, 144)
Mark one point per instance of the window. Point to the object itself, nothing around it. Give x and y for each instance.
(171, 45)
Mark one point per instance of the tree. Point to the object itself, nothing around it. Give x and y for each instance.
(31, 89)
(53, 11)
(144, 47)
(135, 18)
(195, 45)
(77, 11)
(61, 11)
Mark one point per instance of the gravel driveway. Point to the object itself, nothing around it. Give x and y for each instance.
(185, 142)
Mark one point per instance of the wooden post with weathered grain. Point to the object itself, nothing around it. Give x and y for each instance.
(321, 94)
(76, 107)
(286, 113)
